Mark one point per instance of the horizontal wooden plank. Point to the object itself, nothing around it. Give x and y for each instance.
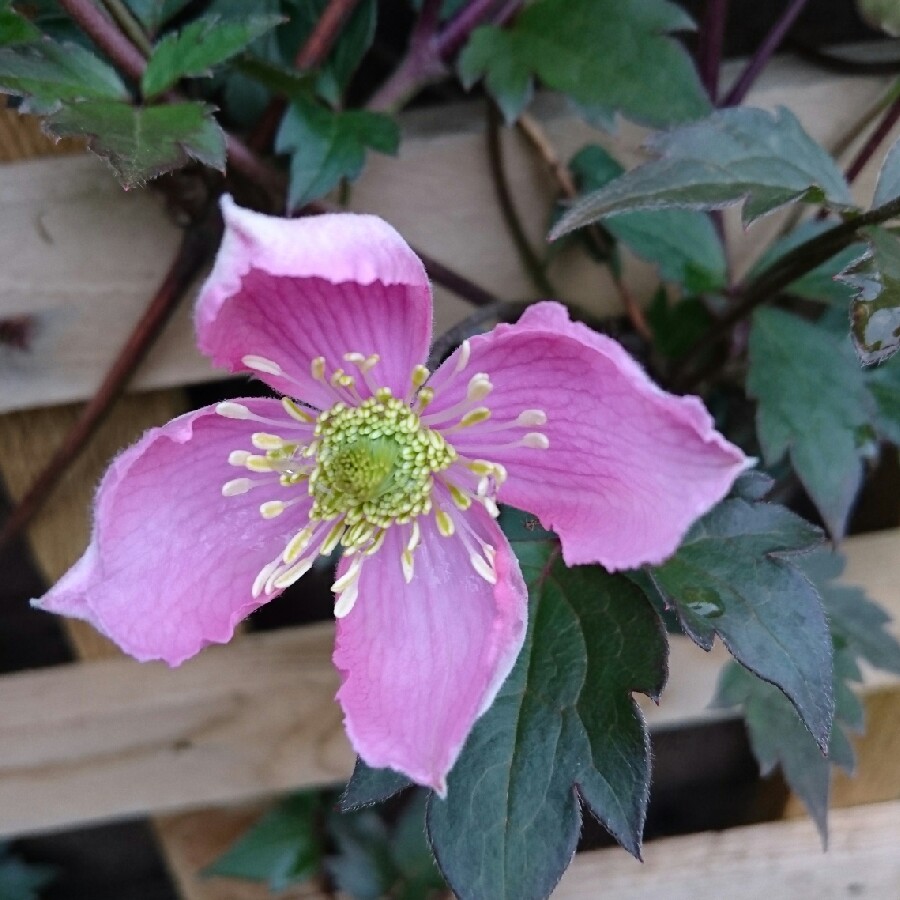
(777, 861)
(82, 257)
(114, 738)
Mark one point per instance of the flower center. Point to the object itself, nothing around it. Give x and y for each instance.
(375, 462)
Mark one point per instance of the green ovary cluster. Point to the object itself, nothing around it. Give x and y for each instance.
(375, 462)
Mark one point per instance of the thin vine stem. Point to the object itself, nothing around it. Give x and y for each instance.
(768, 283)
(431, 49)
(311, 54)
(709, 49)
(596, 234)
(770, 43)
(881, 132)
(527, 255)
(127, 22)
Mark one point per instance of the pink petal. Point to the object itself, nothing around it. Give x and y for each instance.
(171, 561)
(421, 662)
(291, 290)
(629, 467)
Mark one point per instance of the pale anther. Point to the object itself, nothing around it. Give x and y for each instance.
(258, 464)
(532, 417)
(479, 387)
(239, 457)
(419, 376)
(406, 561)
(317, 368)
(236, 486)
(414, 536)
(295, 573)
(264, 575)
(536, 440)
(297, 544)
(444, 523)
(346, 600)
(349, 576)
(462, 361)
(272, 508)
(483, 568)
(295, 411)
(261, 364)
(232, 410)
(263, 441)
(480, 414)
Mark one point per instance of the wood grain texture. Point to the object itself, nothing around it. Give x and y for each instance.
(775, 861)
(21, 138)
(82, 256)
(112, 738)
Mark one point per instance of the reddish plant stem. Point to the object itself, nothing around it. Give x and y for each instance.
(107, 36)
(709, 48)
(454, 282)
(527, 255)
(311, 54)
(771, 42)
(599, 237)
(456, 32)
(874, 141)
(430, 50)
(197, 248)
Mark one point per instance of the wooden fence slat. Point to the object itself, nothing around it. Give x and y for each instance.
(82, 256)
(777, 861)
(257, 717)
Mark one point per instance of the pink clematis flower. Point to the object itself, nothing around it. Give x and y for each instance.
(217, 512)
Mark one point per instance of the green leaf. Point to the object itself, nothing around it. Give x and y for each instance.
(412, 856)
(677, 326)
(493, 53)
(776, 734)
(292, 84)
(199, 46)
(352, 45)
(368, 786)
(609, 53)
(812, 404)
(19, 880)
(883, 383)
(283, 848)
(875, 310)
(820, 284)
(46, 74)
(860, 622)
(15, 29)
(327, 146)
(732, 577)
(683, 243)
(141, 143)
(888, 186)
(733, 154)
(778, 739)
(563, 730)
(374, 861)
(153, 14)
(362, 868)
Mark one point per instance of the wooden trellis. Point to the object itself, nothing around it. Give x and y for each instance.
(106, 737)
